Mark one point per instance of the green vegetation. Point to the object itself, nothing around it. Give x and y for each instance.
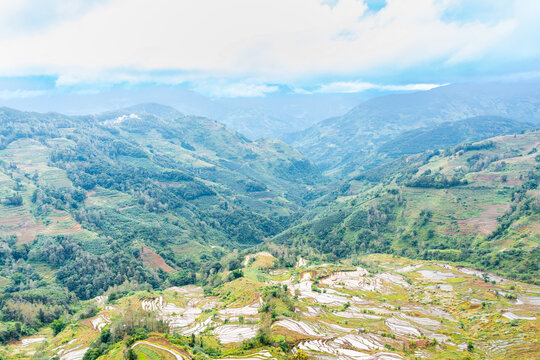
(450, 205)
(146, 235)
(80, 197)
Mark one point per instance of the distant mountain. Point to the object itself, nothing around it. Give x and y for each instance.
(448, 134)
(277, 115)
(272, 115)
(341, 145)
(155, 109)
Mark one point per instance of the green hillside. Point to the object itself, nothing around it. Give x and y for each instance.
(447, 134)
(89, 203)
(474, 203)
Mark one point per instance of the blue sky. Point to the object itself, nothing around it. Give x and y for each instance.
(234, 48)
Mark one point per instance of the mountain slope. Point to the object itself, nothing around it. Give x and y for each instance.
(476, 203)
(447, 134)
(272, 115)
(340, 145)
(124, 184)
(146, 233)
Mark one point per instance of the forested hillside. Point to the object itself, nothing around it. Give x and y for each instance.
(141, 196)
(477, 203)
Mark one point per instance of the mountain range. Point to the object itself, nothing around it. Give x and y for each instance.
(343, 144)
(407, 227)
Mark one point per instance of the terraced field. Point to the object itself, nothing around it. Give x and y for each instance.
(387, 308)
(26, 167)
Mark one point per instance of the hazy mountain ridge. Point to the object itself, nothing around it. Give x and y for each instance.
(335, 142)
(273, 115)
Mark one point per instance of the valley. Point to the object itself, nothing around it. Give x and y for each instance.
(144, 233)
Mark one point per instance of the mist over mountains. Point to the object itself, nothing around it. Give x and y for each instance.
(341, 144)
(273, 115)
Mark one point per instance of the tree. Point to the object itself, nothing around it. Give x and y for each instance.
(300, 355)
(130, 355)
(14, 200)
(58, 325)
(181, 278)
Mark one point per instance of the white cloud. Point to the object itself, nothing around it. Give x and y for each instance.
(411, 87)
(345, 87)
(273, 40)
(359, 86)
(239, 89)
(19, 94)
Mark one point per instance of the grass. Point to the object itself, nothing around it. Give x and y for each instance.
(263, 261)
(242, 291)
(109, 198)
(152, 353)
(46, 272)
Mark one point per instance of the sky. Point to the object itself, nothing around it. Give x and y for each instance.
(253, 48)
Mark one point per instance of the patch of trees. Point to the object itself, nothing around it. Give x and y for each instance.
(28, 299)
(12, 331)
(323, 225)
(328, 233)
(286, 256)
(14, 200)
(399, 168)
(182, 277)
(273, 296)
(192, 190)
(88, 275)
(252, 186)
(437, 181)
(173, 175)
(124, 148)
(17, 125)
(296, 170)
(524, 203)
(63, 198)
(133, 325)
(472, 147)
(478, 162)
(246, 227)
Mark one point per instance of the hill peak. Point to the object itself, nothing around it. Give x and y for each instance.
(159, 110)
